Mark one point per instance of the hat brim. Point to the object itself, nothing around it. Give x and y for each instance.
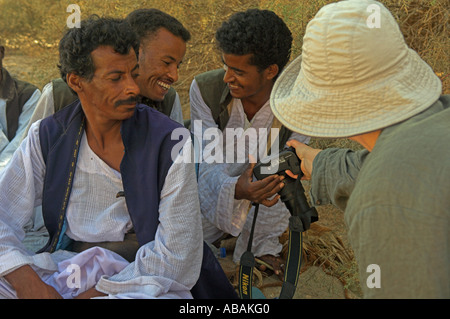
(335, 112)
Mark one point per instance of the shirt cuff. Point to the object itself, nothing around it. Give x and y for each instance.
(318, 192)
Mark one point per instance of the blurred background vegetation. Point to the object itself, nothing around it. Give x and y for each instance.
(31, 31)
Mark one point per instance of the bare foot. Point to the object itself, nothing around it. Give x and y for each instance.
(272, 262)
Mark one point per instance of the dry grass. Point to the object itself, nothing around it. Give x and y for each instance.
(33, 29)
(325, 248)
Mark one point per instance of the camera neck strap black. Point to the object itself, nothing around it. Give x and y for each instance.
(293, 262)
(247, 263)
(294, 259)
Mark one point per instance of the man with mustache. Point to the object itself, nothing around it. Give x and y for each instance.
(162, 48)
(117, 206)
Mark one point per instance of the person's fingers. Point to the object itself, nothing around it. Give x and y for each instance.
(267, 187)
(296, 144)
(290, 174)
(271, 202)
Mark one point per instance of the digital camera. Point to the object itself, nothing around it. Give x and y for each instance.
(293, 193)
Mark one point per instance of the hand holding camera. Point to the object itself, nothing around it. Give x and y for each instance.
(261, 191)
(292, 194)
(307, 155)
(302, 215)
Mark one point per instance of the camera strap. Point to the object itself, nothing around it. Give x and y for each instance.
(294, 259)
(293, 262)
(247, 263)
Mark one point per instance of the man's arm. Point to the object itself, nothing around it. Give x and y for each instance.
(216, 184)
(24, 120)
(45, 107)
(20, 190)
(332, 172)
(28, 285)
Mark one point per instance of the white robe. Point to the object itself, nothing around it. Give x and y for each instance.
(167, 267)
(221, 212)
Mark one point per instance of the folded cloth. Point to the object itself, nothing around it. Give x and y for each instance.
(76, 273)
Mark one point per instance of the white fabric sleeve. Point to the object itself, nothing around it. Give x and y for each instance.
(21, 186)
(45, 106)
(168, 266)
(177, 114)
(216, 182)
(24, 119)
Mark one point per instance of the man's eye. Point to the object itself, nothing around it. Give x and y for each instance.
(135, 75)
(117, 79)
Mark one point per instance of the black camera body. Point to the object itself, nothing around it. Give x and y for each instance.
(287, 159)
(293, 193)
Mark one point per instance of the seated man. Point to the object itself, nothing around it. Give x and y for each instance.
(103, 171)
(17, 103)
(162, 48)
(381, 94)
(255, 47)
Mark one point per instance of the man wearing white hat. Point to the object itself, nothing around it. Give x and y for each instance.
(361, 81)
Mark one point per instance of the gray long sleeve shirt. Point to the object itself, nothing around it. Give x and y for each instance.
(397, 205)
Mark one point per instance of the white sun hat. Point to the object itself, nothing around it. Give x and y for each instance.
(354, 76)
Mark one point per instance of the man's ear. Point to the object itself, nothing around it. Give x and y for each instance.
(74, 82)
(272, 71)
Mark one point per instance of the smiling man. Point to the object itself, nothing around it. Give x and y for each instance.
(162, 49)
(255, 47)
(115, 204)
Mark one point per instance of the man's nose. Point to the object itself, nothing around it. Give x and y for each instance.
(131, 87)
(173, 73)
(228, 77)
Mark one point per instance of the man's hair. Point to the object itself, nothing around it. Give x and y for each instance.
(77, 44)
(146, 22)
(258, 32)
